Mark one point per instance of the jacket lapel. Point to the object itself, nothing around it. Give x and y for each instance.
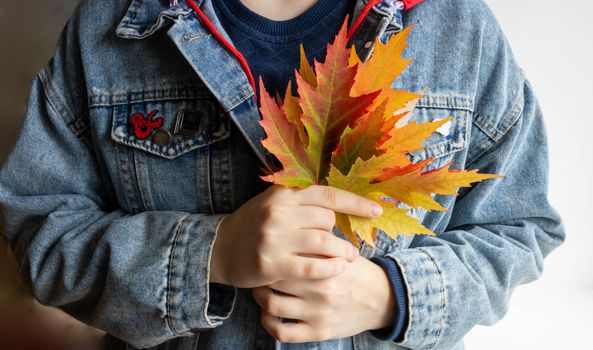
(215, 66)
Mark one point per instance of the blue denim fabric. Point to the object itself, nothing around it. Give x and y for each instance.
(118, 231)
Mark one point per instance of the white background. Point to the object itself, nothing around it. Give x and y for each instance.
(553, 42)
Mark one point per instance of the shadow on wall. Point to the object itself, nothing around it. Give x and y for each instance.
(27, 43)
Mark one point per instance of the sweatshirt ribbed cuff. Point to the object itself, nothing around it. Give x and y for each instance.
(396, 332)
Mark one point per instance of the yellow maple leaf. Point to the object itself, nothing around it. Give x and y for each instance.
(379, 72)
(393, 222)
(305, 69)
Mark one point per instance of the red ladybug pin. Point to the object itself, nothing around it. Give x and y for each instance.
(143, 126)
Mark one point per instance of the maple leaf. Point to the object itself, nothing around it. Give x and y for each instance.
(394, 221)
(401, 141)
(284, 142)
(328, 107)
(384, 67)
(294, 112)
(379, 72)
(349, 129)
(409, 185)
(415, 187)
(360, 142)
(305, 69)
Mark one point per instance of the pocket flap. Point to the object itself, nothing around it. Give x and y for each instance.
(211, 124)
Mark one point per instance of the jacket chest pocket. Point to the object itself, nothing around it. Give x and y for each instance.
(446, 145)
(172, 154)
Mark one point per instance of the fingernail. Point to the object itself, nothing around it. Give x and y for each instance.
(356, 252)
(376, 210)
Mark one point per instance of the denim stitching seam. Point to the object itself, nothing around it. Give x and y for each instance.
(482, 122)
(134, 12)
(56, 100)
(178, 233)
(443, 302)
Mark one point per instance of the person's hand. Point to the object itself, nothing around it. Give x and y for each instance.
(359, 299)
(281, 233)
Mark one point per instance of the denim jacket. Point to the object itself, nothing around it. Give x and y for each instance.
(118, 231)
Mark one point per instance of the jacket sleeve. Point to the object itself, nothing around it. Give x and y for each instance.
(143, 278)
(498, 235)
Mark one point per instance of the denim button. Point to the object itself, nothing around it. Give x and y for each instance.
(162, 137)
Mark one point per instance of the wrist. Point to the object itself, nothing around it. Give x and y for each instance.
(217, 260)
(383, 299)
(395, 331)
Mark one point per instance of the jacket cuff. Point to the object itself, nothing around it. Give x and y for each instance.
(426, 298)
(193, 302)
(396, 332)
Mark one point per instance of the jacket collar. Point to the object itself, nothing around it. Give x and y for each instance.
(145, 17)
(228, 82)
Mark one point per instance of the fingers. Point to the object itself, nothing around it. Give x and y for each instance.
(315, 217)
(289, 332)
(319, 242)
(311, 268)
(339, 201)
(279, 305)
(297, 288)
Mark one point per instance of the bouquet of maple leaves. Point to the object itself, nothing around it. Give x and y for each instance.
(341, 131)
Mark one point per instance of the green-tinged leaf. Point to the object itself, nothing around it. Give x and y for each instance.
(294, 112)
(284, 142)
(328, 108)
(360, 142)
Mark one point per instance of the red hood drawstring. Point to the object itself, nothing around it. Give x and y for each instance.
(407, 4)
(361, 17)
